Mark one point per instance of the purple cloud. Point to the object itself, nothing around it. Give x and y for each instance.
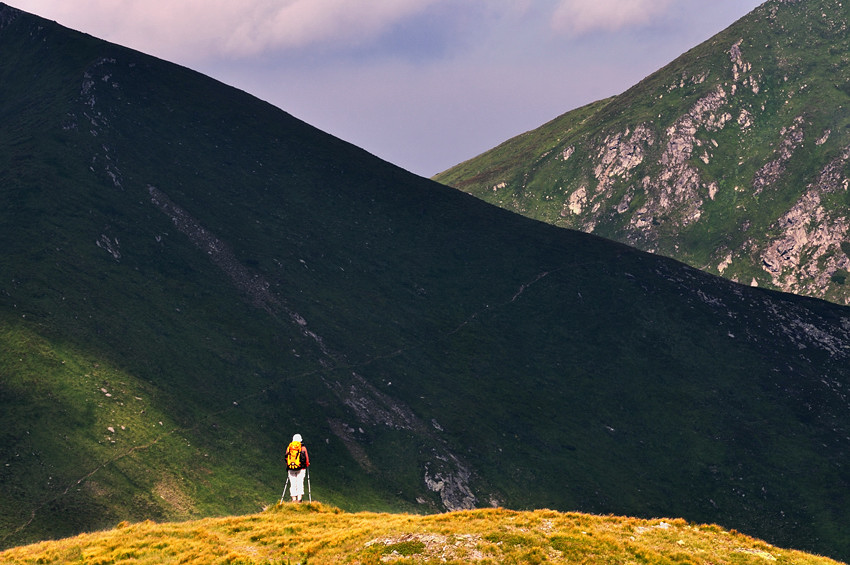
(581, 16)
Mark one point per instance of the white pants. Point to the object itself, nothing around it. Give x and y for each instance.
(296, 482)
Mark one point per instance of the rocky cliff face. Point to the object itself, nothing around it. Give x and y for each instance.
(732, 158)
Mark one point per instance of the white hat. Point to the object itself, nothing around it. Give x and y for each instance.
(297, 437)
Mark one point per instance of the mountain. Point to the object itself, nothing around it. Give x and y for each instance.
(733, 158)
(318, 533)
(191, 275)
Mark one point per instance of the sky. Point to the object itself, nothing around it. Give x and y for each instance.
(424, 84)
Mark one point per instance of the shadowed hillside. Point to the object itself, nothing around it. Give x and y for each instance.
(190, 276)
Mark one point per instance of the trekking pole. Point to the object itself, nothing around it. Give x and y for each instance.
(309, 490)
(284, 488)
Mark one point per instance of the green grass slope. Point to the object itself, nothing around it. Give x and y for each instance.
(190, 276)
(318, 533)
(733, 158)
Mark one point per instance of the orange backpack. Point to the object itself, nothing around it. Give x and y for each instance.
(293, 456)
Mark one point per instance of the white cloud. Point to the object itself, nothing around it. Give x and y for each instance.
(197, 29)
(425, 117)
(577, 17)
(295, 23)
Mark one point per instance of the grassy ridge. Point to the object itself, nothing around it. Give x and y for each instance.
(322, 534)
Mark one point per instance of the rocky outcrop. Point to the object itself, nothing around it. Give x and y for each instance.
(445, 472)
(449, 477)
(772, 171)
(677, 189)
(810, 247)
(619, 155)
(254, 285)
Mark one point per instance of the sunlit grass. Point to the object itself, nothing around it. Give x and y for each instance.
(317, 533)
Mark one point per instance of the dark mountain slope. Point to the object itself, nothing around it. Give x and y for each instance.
(733, 158)
(190, 275)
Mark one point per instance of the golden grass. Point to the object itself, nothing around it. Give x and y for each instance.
(315, 533)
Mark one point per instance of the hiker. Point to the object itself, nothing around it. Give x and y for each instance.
(297, 462)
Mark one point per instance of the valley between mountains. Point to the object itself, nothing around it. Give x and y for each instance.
(189, 275)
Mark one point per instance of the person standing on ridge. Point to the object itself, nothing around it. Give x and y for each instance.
(297, 462)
